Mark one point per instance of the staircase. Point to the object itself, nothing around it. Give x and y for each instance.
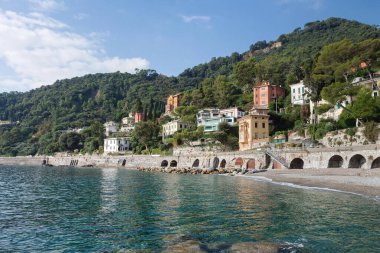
(276, 156)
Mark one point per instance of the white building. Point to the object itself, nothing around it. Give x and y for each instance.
(299, 93)
(332, 113)
(127, 124)
(116, 145)
(210, 118)
(234, 112)
(171, 127)
(111, 127)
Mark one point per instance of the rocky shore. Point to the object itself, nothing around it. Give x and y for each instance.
(175, 170)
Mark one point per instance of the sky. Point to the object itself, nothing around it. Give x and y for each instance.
(42, 41)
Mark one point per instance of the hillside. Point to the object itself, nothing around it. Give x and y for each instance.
(297, 45)
(44, 113)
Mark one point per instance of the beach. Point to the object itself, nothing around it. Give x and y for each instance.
(360, 181)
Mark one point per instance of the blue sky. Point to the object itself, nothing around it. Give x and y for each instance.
(45, 40)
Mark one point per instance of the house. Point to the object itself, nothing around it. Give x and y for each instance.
(299, 94)
(110, 127)
(138, 117)
(173, 102)
(253, 130)
(210, 118)
(371, 84)
(127, 124)
(171, 127)
(234, 112)
(265, 92)
(281, 138)
(332, 113)
(116, 145)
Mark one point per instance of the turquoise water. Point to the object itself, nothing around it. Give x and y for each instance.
(98, 210)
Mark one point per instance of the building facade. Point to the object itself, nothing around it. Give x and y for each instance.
(171, 127)
(127, 124)
(264, 93)
(299, 93)
(110, 128)
(210, 118)
(253, 130)
(234, 112)
(116, 145)
(172, 103)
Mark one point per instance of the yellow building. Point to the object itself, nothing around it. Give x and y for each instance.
(173, 102)
(253, 130)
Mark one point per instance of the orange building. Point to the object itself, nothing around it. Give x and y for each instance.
(253, 130)
(173, 102)
(265, 92)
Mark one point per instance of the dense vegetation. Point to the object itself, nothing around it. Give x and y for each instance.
(42, 116)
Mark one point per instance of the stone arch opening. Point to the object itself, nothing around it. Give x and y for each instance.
(164, 163)
(335, 161)
(356, 162)
(44, 162)
(239, 161)
(376, 163)
(215, 163)
(195, 163)
(251, 164)
(296, 163)
(173, 163)
(223, 164)
(124, 162)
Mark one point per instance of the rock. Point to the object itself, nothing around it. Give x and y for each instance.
(191, 246)
(259, 247)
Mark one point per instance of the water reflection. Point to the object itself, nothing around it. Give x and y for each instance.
(57, 209)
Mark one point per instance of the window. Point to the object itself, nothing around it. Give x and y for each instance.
(294, 90)
(256, 136)
(375, 94)
(262, 88)
(264, 136)
(263, 95)
(299, 90)
(255, 124)
(263, 125)
(303, 90)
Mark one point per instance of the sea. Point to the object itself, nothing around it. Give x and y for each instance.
(56, 209)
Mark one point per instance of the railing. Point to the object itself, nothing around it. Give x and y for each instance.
(275, 155)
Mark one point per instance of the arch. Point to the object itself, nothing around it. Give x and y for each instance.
(215, 163)
(164, 163)
(239, 161)
(297, 163)
(124, 162)
(196, 163)
(356, 162)
(173, 163)
(251, 164)
(336, 161)
(376, 163)
(223, 163)
(44, 162)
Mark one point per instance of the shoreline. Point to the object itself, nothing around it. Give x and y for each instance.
(352, 181)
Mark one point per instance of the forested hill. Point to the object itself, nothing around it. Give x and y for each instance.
(44, 113)
(297, 46)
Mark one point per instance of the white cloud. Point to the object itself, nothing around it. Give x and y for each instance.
(47, 5)
(314, 4)
(40, 50)
(189, 19)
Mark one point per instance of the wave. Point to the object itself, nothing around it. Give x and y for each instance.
(298, 186)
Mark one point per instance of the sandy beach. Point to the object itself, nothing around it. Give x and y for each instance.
(366, 182)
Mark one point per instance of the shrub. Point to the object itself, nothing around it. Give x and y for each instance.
(371, 132)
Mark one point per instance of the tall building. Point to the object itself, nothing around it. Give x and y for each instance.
(253, 130)
(264, 93)
(172, 102)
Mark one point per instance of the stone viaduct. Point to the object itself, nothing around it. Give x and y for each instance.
(363, 157)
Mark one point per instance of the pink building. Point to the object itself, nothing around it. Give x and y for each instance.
(265, 92)
(138, 117)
